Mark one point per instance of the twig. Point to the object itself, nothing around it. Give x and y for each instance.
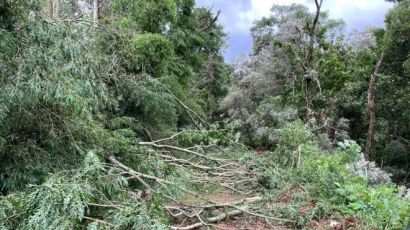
(181, 150)
(202, 167)
(99, 221)
(299, 156)
(148, 134)
(138, 175)
(107, 205)
(212, 21)
(209, 220)
(169, 138)
(262, 216)
(249, 200)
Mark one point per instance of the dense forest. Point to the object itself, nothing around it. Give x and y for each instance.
(123, 114)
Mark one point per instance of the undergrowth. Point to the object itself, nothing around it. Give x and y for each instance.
(323, 187)
(98, 195)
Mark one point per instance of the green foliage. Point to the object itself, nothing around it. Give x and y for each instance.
(349, 151)
(396, 39)
(323, 187)
(146, 99)
(15, 12)
(215, 137)
(274, 114)
(260, 128)
(392, 98)
(66, 201)
(151, 16)
(72, 94)
(343, 65)
(290, 137)
(70, 87)
(152, 53)
(380, 204)
(325, 172)
(46, 111)
(328, 179)
(165, 32)
(7, 45)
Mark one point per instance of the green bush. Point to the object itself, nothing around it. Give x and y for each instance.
(152, 53)
(328, 178)
(380, 205)
(290, 136)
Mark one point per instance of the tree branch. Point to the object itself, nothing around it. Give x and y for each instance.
(189, 110)
(213, 21)
(180, 150)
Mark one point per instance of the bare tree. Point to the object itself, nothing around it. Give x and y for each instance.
(370, 105)
(309, 58)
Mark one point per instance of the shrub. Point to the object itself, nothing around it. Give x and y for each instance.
(380, 205)
(152, 53)
(329, 178)
(289, 137)
(373, 174)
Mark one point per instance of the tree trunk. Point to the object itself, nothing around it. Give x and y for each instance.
(309, 103)
(53, 9)
(50, 8)
(333, 126)
(95, 12)
(309, 59)
(324, 121)
(56, 9)
(370, 105)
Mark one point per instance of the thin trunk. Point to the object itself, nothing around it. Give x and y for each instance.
(53, 7)
(95, 11)
(56, 9)
(323, 121)
(370, 105)
(50, 8)
(309, 103)
(333, 127)
(309, 59)
(299, 161)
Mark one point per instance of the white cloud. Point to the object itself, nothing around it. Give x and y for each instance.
(339, 7)
(358, 14)
(260, 8)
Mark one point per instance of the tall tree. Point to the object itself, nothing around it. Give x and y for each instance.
(371, 105)
(307, 67)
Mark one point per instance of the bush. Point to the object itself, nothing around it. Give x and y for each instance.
(152, 53)
(329, 178)
(290, 137)
(380, 205)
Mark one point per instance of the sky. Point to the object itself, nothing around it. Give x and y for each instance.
(237, 17)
